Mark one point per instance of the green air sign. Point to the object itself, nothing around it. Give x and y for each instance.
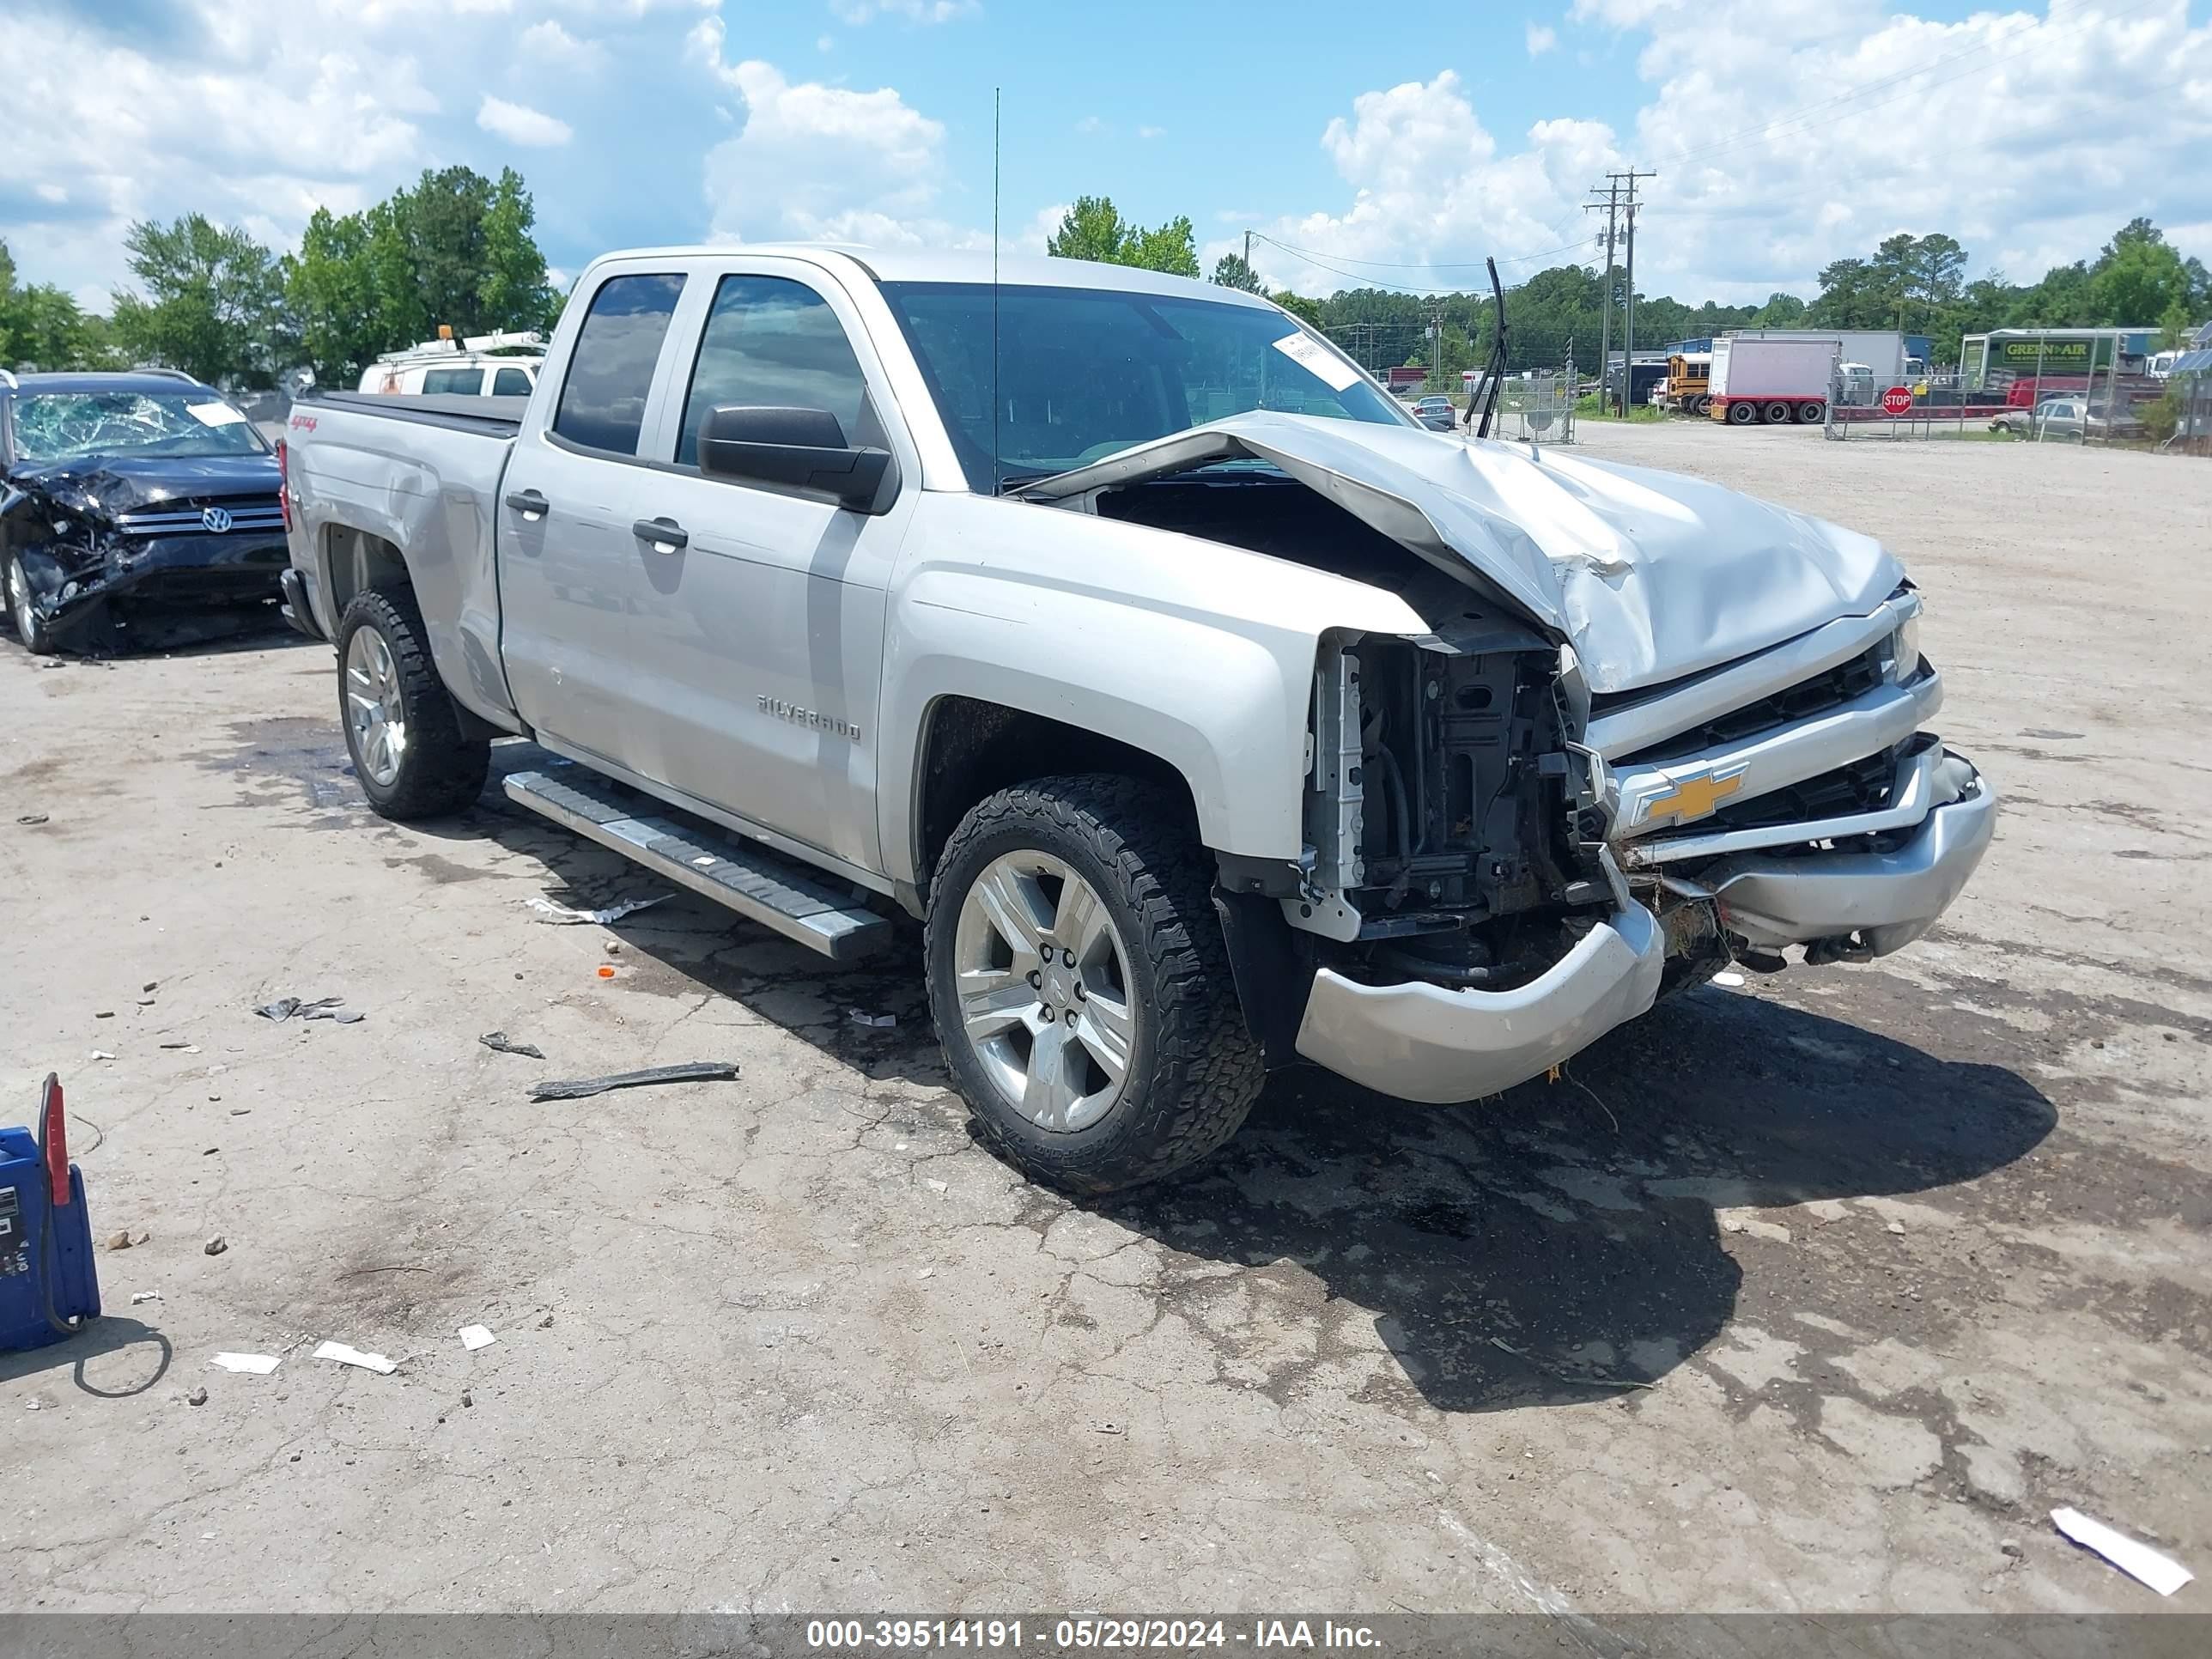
(2053, 355)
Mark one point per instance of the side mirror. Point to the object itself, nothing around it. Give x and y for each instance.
(795, 449)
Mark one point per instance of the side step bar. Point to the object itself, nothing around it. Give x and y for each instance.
(757, 884)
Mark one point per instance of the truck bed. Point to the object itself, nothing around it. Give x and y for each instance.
(495, 416)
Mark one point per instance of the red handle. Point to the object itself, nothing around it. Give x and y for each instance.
(56, 1139)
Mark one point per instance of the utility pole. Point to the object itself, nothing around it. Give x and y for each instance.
(1629, 204)
(1612, 206)
(1247, 251)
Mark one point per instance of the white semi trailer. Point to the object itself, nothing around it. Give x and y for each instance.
(1774, 381)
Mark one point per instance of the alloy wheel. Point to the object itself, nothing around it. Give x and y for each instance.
(375, 710)
(1044, 988)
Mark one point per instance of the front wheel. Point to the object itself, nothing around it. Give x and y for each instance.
(1080, 986)
(401, 728)
(30, 628)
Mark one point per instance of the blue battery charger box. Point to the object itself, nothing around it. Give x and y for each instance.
(46, 1269)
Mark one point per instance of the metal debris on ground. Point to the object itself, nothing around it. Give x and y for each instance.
(286, 1008)
(2139, 1561)
(697, 1071)
(562, 915)
(476, 1336)
(254, 1365)
(345, 1355)
(501, 1043)
(32, 819)
(861, 1016)
(216, 1246)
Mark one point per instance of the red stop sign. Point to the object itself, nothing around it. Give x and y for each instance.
(1898, 400)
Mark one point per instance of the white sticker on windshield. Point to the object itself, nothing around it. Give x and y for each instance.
(214, 414)
(1309, 353)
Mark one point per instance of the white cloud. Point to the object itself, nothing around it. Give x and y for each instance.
(857, 12)
(817, 162)
(55, 193)
(519, 123)
(1091, 124)
(1152, 132)
(547, 42)
(2029, 139)
(1542, 37)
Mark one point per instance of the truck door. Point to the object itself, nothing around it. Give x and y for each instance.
(570, 564)
(769, 616)
(754, 615)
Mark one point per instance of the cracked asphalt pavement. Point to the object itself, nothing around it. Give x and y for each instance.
(1813, 1294)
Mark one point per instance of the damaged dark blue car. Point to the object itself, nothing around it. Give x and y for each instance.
(138, 509)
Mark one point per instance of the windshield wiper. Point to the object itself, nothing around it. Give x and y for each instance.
(1497, 355)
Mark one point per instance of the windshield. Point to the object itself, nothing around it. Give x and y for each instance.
(68, 426)
(1084, 372)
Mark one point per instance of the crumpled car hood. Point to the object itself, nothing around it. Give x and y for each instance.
(1651, 575)
(116, 484)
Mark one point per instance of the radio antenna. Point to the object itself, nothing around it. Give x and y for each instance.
(995, 463)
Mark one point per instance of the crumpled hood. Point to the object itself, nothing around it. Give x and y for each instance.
(1651, 575)
(122, 484)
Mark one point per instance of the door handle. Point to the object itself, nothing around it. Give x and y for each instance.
(665, 535)
(529, 503)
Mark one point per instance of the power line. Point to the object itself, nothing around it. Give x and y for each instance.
(1421, 264)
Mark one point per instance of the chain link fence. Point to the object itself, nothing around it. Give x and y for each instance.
(1539, 409)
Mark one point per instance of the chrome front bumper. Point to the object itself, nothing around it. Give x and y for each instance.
(1888, 899)
(1424, 1042)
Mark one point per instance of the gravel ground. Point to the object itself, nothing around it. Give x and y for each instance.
(1813, 1294)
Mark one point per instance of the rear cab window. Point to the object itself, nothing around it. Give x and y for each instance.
(610, 368)
(510, 383)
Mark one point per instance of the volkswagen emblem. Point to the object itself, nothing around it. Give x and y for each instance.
(216, 520)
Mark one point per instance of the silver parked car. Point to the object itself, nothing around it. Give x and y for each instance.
(1211, 715)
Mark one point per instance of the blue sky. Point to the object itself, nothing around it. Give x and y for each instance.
(1404, 144)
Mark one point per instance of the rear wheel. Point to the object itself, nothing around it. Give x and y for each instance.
(30, 628)
(1742, 414)
(1811, 414)
(1777, 413)
(1080, 986)
(401, 727)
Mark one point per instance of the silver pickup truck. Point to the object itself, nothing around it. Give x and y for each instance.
(1210, 713)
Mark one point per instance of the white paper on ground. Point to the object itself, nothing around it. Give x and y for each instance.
(345, 1355)
(260, 1364)
(1309, 353)
(476, 1336)
(1731, 980)
(562, 913)
(2137, 1560)
(214, 414)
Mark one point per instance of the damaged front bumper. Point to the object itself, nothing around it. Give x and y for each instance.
(1435, 1045)
(1858, 904)
(80, 594)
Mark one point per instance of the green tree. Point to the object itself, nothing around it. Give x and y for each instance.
(1780, 311)
(1230, 270)
(2138, 279)
(213, 304)
(1305, 310)
(1094, 229)
(455, 250)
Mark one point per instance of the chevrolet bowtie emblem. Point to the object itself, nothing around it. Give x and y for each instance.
(1687, 795)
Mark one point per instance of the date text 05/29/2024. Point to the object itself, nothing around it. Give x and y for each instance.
(1084, 1633)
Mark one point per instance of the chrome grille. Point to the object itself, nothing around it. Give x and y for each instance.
(246, 514)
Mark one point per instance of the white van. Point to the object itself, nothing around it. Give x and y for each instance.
(482, 366)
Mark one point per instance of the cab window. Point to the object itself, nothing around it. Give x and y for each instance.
(610, 370)
(772, 341)
(452, 382)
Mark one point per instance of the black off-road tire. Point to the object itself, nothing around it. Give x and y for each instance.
(35, 638)
(1194, 1070)
(441, 771)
